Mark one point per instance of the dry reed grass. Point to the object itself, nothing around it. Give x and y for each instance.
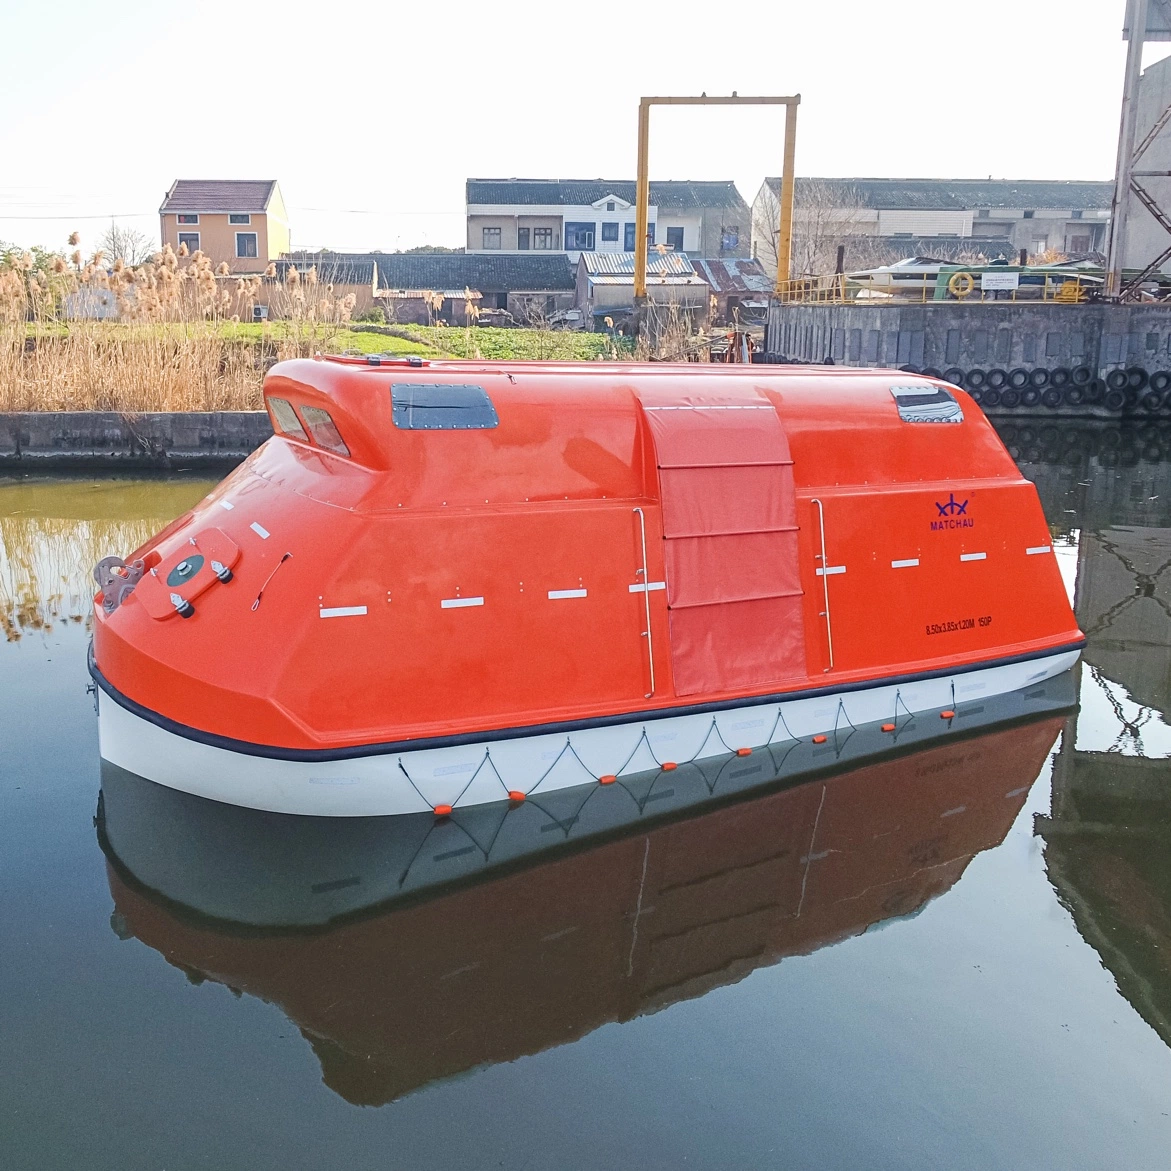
(173, 346)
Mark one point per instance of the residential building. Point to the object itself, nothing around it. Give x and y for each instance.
(573, 216)
(240, 222)
(337, 275)
(605, 285)
(526, 286)
(953, 217)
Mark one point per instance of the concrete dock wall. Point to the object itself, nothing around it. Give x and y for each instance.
(969, 342)
(106, 440)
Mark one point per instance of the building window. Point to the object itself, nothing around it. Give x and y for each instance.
(239, 217)
(187, 219)
(650, 233)
(1028, 215)
(610, 233)
(543, 239)
(491, 237)
(610, 206)
(246, 245)
(191, 239)
(522, 239)
(628, 240)
(675, 239)
(579, 237)
(983, 213)
(729, 237)
(1077, 215)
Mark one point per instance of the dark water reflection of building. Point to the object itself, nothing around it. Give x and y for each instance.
(1108, 835)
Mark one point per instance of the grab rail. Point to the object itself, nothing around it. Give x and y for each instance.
(829, 633)
(646, 597)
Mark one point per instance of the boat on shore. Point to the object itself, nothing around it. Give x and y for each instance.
(445, 584)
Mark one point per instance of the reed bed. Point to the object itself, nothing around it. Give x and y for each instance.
(176, 344)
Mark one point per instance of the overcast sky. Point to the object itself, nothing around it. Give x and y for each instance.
(372, 115)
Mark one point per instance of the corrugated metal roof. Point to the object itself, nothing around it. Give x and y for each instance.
(331, 270)
(680, 279)
(961, 194)
(212, 195)
(622, 263)
(666, 195)
(733, 275)
(509, 272)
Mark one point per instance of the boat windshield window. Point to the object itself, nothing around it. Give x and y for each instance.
(286, 419)
(431, 407)
(324, 430)
(927, 404)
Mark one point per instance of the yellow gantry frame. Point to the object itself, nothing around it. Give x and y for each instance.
(642, 211)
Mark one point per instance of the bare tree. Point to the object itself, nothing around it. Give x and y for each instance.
(825, 215)
(126, 244)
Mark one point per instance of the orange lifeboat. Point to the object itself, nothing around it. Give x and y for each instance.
(453, 583)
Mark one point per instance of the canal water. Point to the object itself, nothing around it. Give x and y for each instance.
(953, 956)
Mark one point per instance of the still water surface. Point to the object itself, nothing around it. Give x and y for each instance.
(956, 957)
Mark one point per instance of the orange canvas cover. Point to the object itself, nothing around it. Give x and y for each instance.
(730, 539)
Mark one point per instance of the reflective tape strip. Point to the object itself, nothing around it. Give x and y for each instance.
(830, 570)
(1039, 549)
(340, 611)
(460, 603)
(227, 504)
(973, 556)
(715, 407)
(909, 563)
(555, 594)
(641, 589)
(259, 530)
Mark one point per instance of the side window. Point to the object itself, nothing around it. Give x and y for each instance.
(324, 430)
(433, 407)
(927, 404)
(285, 419)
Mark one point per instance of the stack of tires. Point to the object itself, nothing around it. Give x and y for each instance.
(1122, 392)
(1111, 444)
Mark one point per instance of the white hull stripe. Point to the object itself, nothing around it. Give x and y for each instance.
(830, 570)
(259, 530)
(481, 771)
(460, 603)
(641, 589)
(973, 556)
(340, 611)
(555, 595)
(908, 563)
(1035, 549)
(227, 504)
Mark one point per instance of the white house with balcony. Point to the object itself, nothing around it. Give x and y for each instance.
(573, 216)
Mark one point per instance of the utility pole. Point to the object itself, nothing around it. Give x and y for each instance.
(642, 196)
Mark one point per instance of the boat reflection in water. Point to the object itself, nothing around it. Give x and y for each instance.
(408, 949)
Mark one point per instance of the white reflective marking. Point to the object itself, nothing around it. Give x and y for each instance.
(830, 570)
(714, 407)
(973, 556)
(1039, 549)
(259, 530)
(227, 504)
(340, 611)
(908, 563)
(555, 594)
(641, 589)
(334, 780)
(459, 603)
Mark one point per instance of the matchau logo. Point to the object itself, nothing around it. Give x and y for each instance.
(953, 514)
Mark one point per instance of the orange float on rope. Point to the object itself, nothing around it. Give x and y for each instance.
(442, 810)
(516, 795)
(668, 766)
(608, 779)
(888, 727)
(743, 751)
(947, 715)
(820, 739)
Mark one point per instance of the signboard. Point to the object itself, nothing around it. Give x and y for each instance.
(1158, 21)
(999, 280)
